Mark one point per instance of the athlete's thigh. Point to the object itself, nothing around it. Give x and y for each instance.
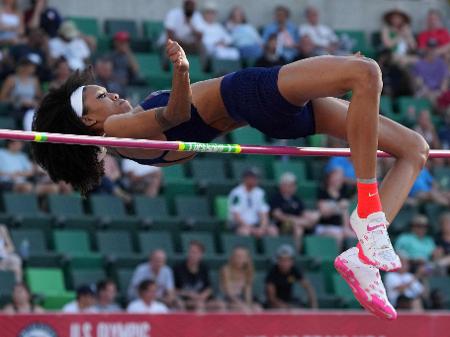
(330, 116)
(320, 76)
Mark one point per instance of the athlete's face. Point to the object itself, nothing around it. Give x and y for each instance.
(100, 104)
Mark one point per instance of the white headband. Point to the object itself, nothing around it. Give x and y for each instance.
(76, 101)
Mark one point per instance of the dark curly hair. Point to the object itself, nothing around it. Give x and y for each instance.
(75, 164)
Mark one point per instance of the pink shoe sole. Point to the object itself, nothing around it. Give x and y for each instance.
(374, 304)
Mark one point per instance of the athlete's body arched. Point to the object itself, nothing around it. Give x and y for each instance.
(293, 101)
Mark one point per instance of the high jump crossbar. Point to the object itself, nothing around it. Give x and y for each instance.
(187, 146)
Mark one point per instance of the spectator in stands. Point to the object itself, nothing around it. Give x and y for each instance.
(44, 17)
(192, 281)
(431, 74)
(147, 302)
(15, 169)
(271, 57)
(333, 206)
(426, 189)
(344, 164)
(244, 35)
(236, 281)
(285, 31)
(70, 44)
(323, 37)
(416, 245)
(11, 23)
(217, 42)
(397, 36)
(404, 289)
(111, 182)
(281, 279)
(106, 297)
(61, 73)
(84, 302)
(34, 46)
(248, 210)
(9, 260)
(45, 186)
(21, 302)
(142, 178)
(305, 48)
(155, 269)
(125, 65)
(288, 210)
(441, 255)
(435, 31)
(444, 131)
(185, 25)
(105, 77)
(426, 128)
(22, 89)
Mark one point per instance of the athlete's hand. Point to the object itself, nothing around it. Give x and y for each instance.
(177, 56)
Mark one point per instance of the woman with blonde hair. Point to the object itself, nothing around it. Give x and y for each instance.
(236, 281)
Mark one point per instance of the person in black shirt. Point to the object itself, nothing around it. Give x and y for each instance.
(442, 253)
(270, 57)
(334, 208)
(288, 211)
(281, 279)
(192, 281)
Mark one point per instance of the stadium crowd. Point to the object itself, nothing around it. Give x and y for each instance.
(40, 48)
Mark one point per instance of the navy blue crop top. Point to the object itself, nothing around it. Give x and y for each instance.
(194, 130)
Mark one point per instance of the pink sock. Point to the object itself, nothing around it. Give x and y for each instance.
(368, 198)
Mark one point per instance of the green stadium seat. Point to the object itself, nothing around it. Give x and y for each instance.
(238, 167)
(195, 213)
(38, 254)
(386, 106)
(270, 245)
(196, 69)
(206, 239)
(308, 190)
(172, 190)
(49, 283)
(174, 173)
(112, 26)
(5, 109)
(322, 247)
(150, 68)
(111, 212)
(153, 29)
(104, 44)
(155, 213)
(117, 247)
(359, 41)
(433, 212)
(124, 276)
(417, 104)
(221, 208)
(74, 245)
(298, 168)
(7, 282)
(259, 286)
(441, 284)
(247, 135)
(90, 277)
(86, 25)
(230, 241)
(68, 210)
(151, 240)
(7, 123)
(214, 277)
(24, 210)
(442, 176)
(402, 220)
(222, 67)
(326, 300)
(202, 170)
(343, 291)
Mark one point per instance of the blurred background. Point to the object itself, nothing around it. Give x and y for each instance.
(219, 234)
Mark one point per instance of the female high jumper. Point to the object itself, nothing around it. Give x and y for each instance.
(293, 101)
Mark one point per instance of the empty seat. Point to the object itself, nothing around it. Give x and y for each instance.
(221, 208)
(343, 291)
(111, 211)
(112, 26)
(150, 68)
(248, 135)
(321, 247)
(38, 254)
(271, 244)
(325, 299)
(86, 25)
(79, 277)
(153, 29)
(206, 239)
(74, 244)
(222, 67)
(49, 283)
(7, 281)
(124, 276)
(24, 210)
(230, 241)
(205, 171)
(116, 246)
(151, 240)
(155, 213)
(298, 168)
(68, 209)
(238, 167)
(7, 123)
(195, 213)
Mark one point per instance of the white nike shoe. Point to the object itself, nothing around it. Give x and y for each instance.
(366, 284)
(374, 242)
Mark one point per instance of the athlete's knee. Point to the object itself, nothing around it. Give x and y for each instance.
(366, 74)
(418, 150)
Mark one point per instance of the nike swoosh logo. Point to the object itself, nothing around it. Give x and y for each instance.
(371, 228)
(372, 195)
